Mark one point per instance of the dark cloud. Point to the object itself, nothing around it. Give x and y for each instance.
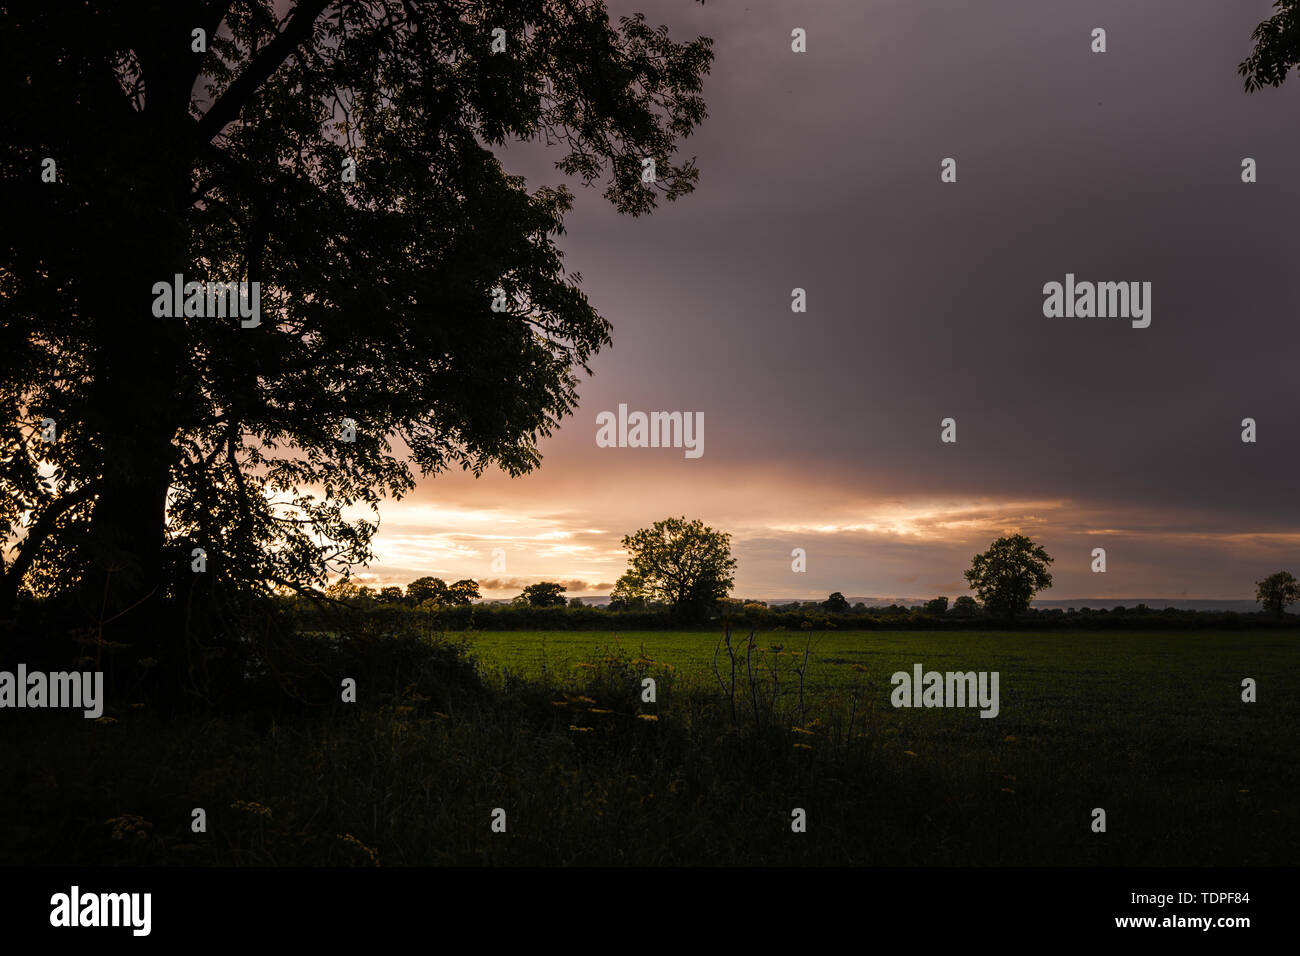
(821, 171)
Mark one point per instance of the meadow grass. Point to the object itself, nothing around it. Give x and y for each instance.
(1150, 727)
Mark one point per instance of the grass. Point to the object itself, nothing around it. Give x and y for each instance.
(1150, 727)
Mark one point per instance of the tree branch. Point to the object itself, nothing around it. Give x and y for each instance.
(36, 534)
(261, 67)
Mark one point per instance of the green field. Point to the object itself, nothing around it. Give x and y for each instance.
(1118, 672)
(1173, 699)
(1149, 726)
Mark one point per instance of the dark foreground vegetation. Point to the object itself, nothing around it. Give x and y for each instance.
(588, 772)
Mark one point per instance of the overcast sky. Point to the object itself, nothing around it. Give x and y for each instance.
(821, 170)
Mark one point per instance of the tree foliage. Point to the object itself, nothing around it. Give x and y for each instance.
(938, 606)
(629, 593)
(837, 603)
(440, 593)
(1008, 575)
(965, 606)
(1277, 48)
(1277, 592)
(682, 563)
(543, 594)
(376, 295)
(426, 589)
(462, 592)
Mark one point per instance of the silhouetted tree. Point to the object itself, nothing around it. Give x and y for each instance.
(544, 594)
(463, 592)
(683, 563)
(1277, 592)
(936, 606)
(628, 593)
(231, 162)
(965, 606)
(836, 603)
(343, 590)
(427, 589)
(1008, 575)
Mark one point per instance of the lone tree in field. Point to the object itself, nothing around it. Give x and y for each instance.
(543, 594)
(415, 314)
(1277, 592)
(683, 564)
(1008, 575)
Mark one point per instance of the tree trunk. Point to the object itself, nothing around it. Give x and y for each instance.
(138, 370)
(128, 524)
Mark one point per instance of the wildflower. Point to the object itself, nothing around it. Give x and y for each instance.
(252, 807)
(349, 839)
(130, 824)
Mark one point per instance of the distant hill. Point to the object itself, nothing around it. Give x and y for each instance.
(1158, 604)
(1096, 603)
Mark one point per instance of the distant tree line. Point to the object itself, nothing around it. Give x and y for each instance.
(937, 614)
(680, 574)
